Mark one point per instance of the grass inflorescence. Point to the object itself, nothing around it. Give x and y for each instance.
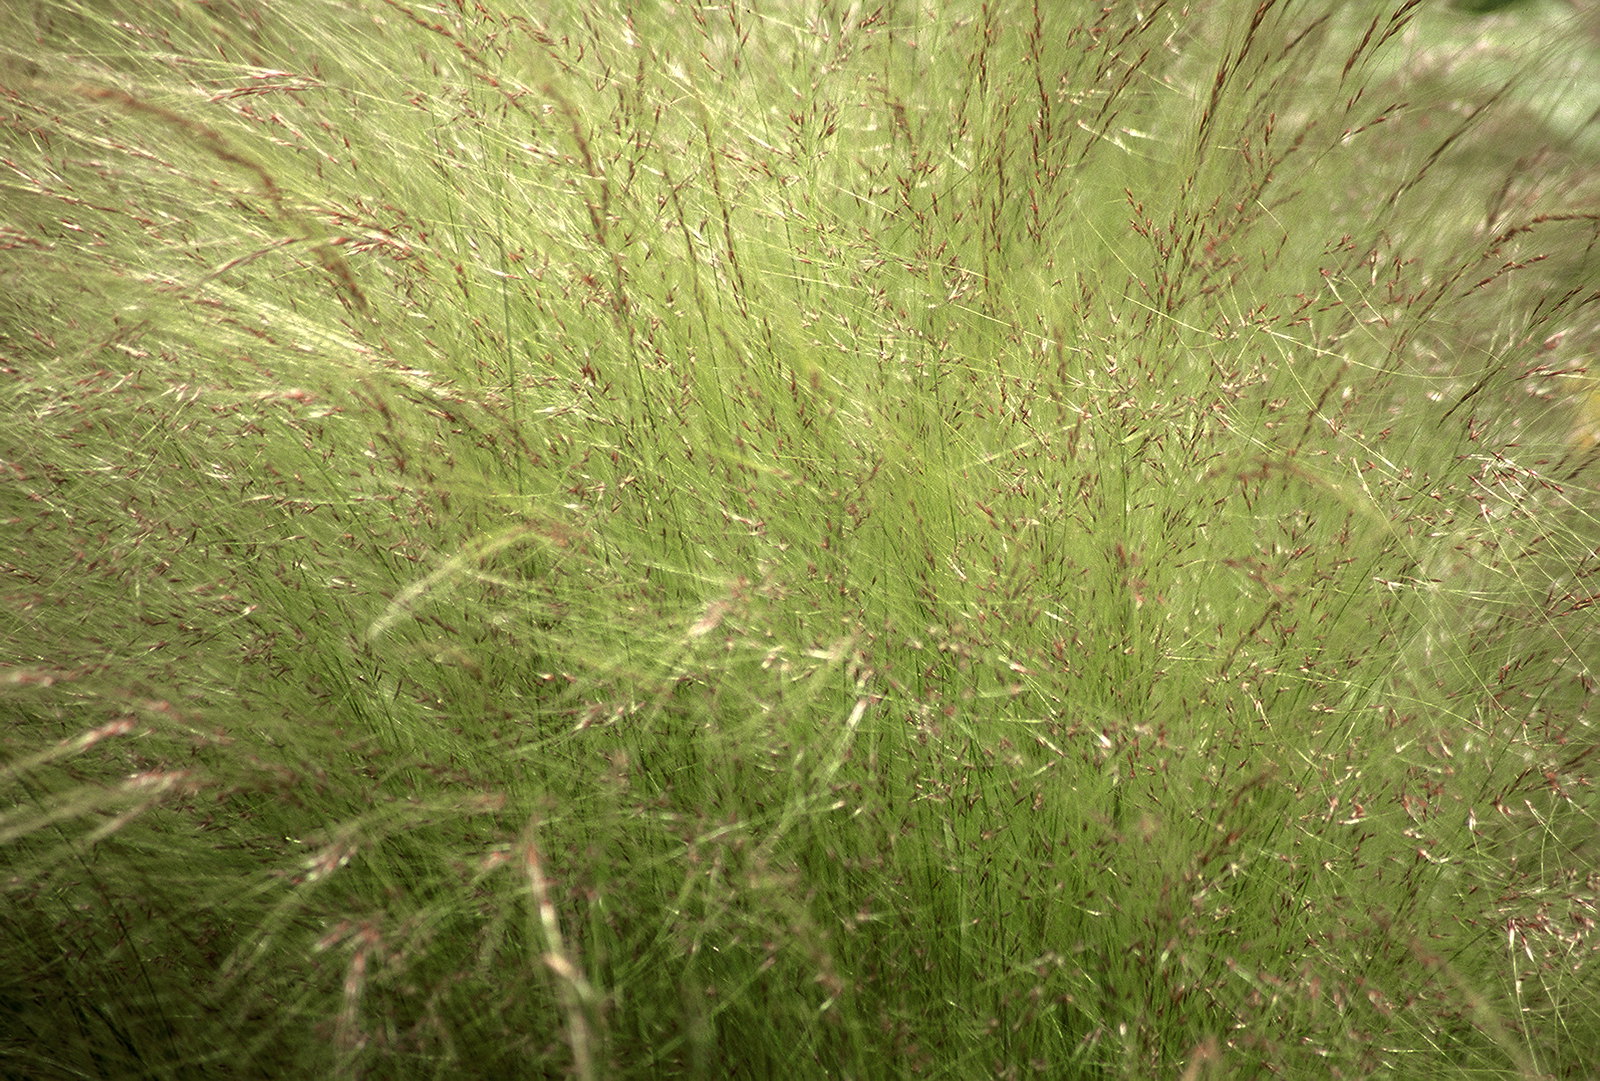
(954, 540)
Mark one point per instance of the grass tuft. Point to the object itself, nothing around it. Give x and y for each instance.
(605, 540)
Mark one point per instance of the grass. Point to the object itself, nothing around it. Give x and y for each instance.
(609, 540)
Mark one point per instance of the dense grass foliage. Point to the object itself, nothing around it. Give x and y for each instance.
(960, 540)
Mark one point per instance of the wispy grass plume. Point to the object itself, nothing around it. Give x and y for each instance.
(614, 540)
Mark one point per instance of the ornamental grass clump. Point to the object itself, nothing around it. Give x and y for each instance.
(628, 541)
